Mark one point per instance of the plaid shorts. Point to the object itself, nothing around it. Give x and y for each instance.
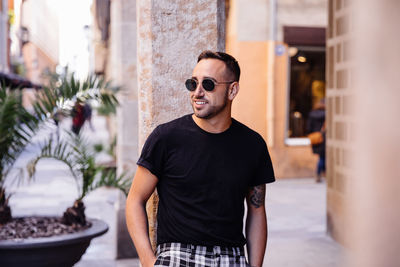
(184, 255)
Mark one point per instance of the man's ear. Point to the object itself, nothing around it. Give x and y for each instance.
(233, 91)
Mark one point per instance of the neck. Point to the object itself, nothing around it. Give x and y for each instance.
(216, 124)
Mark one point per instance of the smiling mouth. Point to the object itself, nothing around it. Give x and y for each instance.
(200, 102)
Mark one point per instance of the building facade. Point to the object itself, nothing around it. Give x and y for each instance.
(340, 119)
(280, 46)
(4, 33)
(40, 50)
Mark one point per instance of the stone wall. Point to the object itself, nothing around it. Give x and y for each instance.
(171, 34)
(339, 125)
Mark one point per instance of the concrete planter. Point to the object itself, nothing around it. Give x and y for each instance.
(60, 251)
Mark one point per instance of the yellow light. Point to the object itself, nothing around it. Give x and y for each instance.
(297, 115)
(302, 59)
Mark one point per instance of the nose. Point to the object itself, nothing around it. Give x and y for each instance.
(199, 91)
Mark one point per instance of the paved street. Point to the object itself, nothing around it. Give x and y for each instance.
(297, 232)
(297, 226)
(296, 215)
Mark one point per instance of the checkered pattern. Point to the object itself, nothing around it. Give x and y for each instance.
(183, 255)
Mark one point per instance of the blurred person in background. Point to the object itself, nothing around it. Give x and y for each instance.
(81, 112)
(316, 123)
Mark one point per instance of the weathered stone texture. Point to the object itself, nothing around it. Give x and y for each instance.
(171, 34)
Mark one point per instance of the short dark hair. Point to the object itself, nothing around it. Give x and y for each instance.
(230, 62)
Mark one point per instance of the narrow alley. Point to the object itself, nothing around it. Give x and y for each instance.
(296, 210)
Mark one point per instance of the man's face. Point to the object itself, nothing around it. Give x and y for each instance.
(207, 104)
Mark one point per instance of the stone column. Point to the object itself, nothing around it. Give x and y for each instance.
(171, 34)
(121, 69)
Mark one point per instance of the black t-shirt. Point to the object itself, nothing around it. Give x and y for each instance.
(203, 180)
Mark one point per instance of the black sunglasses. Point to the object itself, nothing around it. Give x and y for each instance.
(207, 83)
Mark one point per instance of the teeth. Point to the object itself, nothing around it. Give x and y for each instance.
(200, 102)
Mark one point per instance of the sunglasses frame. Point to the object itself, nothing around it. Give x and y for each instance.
(214, 83)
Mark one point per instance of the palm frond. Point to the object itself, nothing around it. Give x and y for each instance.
(74, 152)
(53, 99)
(110, 178)
(17, 126)
(59, 150)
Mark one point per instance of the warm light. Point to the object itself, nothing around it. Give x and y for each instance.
(293, 51)
(297, 115)
(302, 59)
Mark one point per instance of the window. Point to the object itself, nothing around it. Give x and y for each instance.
(306, 78)
(307, 86)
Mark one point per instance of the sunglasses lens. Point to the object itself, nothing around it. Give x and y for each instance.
(208, 84)
(191, 84)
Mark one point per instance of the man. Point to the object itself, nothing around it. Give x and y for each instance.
(204, 165)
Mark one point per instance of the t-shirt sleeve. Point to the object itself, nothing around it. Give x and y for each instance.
(153, 153)
(264, 172)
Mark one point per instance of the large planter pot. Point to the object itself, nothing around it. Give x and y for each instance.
(59, 251)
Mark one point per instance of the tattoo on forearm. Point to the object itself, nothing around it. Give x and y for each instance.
(257, 195)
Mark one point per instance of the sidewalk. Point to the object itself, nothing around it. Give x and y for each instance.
(297, 229)
(296, 210)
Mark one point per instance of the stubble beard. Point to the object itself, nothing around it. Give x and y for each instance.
(212, 111)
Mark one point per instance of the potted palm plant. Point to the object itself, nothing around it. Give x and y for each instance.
(64, 250)
(79, 155)
(17, 126)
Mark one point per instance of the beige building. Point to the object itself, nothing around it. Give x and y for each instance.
(4, 27)
(280, 46)
(39, 22)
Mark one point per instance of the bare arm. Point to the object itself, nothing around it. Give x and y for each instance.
(142, 187)
(256, 225)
